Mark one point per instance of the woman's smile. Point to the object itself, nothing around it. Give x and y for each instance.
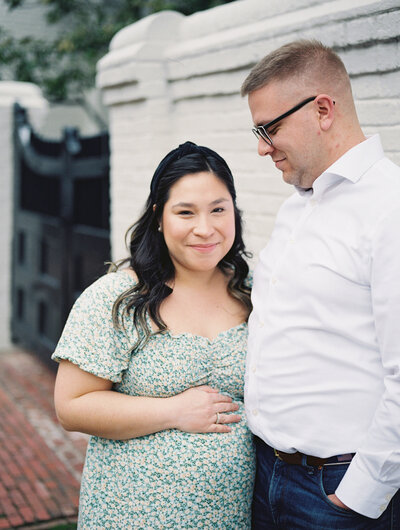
(198, 222)
(204, 248)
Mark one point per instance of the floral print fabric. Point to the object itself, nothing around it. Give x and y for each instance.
(170, 479)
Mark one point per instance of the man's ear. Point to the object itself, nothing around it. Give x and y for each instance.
(326, 111)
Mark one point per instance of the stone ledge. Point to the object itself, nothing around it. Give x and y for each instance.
(28, 94)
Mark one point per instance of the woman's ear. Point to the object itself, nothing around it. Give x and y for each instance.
(159, 226)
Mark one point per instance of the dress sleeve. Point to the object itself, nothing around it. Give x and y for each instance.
(89, 338)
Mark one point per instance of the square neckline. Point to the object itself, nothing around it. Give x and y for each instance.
(185, 334)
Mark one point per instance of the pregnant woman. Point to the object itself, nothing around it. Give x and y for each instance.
(152, 361)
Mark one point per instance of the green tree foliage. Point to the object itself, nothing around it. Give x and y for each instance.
(65, 67)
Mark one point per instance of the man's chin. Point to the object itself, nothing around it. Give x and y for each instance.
(294, 179)
(289, 178)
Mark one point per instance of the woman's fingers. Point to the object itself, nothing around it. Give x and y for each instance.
(223, 425)
(204, 409)
(217, 397)
(221, 398)
(219, 427)
(226, 407)
(230, 418)
(207, 388)
(221, 419)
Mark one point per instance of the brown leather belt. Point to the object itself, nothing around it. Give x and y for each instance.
(298, 459)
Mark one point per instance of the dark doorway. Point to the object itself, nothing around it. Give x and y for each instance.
(61, 237)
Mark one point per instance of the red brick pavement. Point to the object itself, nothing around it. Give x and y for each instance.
(40, 463)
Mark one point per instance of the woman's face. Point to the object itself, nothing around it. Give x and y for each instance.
(198, 222)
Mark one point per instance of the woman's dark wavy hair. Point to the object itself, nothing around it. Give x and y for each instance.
(149, 256)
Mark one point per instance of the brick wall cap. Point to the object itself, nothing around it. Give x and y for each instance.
(160, 26)
(27, 94)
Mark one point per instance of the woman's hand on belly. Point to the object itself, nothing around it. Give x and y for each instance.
(87, 403)
(203, 409)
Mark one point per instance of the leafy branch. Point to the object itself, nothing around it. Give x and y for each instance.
(65, 67)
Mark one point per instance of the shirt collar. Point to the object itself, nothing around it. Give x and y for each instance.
(357, 160)
(350, 166)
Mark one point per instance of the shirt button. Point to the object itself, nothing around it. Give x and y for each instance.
(383, 507)
(388, 497)
(253, 369)
(261, 324)
(255, 412)
(313, 202)
(274, 280)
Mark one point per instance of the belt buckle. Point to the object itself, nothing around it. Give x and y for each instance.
(277, 454)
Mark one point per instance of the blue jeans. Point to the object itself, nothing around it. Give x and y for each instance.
(294, 497)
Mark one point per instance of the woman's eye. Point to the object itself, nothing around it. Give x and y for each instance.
(185, 212)
(218, 210)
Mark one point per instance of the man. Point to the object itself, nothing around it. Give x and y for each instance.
(323, 372)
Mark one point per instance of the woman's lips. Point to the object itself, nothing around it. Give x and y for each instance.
(209, 247)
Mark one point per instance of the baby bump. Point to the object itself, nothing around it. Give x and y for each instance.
(205, 473)
(171, 455)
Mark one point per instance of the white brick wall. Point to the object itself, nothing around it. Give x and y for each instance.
(29, 20)
(169, 78)
(29, 96)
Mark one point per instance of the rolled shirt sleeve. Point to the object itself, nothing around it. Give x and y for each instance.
(373, 476)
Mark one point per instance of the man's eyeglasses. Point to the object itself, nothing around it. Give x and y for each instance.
(261, 130)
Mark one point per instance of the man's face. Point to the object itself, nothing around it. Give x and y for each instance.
(296, 138)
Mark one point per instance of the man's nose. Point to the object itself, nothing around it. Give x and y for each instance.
(264, 148)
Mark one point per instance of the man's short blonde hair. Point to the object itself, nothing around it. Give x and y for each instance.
(301, 59)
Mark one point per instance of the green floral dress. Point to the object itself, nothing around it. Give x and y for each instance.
(170, 479)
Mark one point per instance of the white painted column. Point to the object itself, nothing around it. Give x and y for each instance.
(30, 97)
(133, 79)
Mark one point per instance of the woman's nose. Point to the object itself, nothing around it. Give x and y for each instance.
(203, 226)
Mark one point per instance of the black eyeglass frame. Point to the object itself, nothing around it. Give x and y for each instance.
(261, 130)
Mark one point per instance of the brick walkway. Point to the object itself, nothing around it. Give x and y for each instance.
(40, 463)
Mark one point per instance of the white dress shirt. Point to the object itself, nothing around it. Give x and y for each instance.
(323, 367)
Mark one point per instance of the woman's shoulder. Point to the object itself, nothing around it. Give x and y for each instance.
(111, 285)
(129, 272)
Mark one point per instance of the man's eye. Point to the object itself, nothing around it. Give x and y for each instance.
(273, 131)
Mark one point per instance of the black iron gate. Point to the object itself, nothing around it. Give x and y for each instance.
(61, 228)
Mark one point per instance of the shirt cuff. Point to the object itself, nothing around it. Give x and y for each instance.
(362, 494)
